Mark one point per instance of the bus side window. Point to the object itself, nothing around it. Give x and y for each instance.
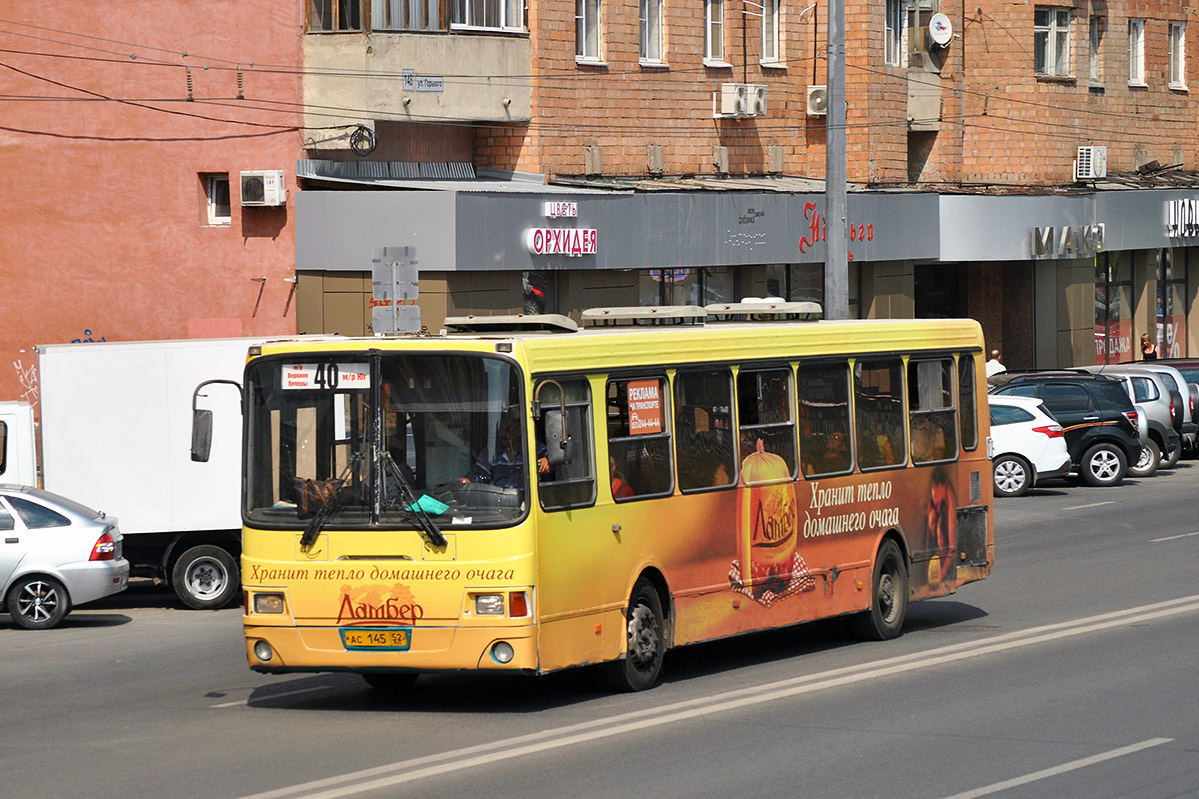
(570, 484)
(639, 437)
(703, 402)
(879, 413)
(932, 413)
(764, 414)
(824, 423)
(967, 407)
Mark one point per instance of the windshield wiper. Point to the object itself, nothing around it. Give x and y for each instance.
(410, 502)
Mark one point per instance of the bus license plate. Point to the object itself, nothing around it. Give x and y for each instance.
(374, 638)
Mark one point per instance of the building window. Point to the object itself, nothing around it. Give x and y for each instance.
(770, 31)
(651, 31)
(587, 30)
(406, 15)
(1136, 52)
(1178, 55)
(217, 195)
(1096, 39)
(334, 16)
(493, 14)
(893, 47)
(1051, 41)
(714, 32)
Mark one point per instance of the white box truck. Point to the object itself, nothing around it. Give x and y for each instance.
(115, 434)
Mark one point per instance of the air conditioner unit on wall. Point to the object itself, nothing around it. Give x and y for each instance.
(1091, 163)
(734, 99)
(263, 187)
(757, 100)
(817, 100)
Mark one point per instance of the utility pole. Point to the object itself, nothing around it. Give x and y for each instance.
(836, 257)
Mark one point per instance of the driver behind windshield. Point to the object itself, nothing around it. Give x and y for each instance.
(506, 469)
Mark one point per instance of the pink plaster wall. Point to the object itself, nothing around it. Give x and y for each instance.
(104, 225)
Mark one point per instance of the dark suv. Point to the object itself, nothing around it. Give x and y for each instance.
(1095, 413)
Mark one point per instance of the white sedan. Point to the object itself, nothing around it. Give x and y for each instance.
(55, 554)
(1028, 444)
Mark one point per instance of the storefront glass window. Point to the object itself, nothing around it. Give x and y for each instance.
(796, 282)
(1171, 303)
(686, 286)
(1113, 308)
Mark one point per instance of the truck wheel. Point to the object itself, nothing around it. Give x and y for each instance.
(205, 577)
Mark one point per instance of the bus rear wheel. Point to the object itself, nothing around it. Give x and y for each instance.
(889, 600)
(641, 666)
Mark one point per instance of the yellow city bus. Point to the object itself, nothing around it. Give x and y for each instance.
(525, 494)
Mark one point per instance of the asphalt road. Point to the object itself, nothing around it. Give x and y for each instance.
(1071, 672)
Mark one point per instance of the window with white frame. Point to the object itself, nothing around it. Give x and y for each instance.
(493, 14)
(893, 47)
(1051, 41)
(1136, 52)
(334, 16)
(651, 31)
(770, 32)
(1178, 55)
(714, 31)
(587, 30)
(1095, 39)
(406, 15)
(216, 189)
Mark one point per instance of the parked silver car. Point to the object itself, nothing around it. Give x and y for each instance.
(1160, 404)
(55, 554)
(1187, 424)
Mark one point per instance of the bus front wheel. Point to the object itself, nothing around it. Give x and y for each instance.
(641, 666)
(889, 600)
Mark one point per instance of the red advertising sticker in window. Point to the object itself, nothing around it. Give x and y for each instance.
(645, 407)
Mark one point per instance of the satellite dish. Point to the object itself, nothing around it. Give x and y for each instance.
(940, 29)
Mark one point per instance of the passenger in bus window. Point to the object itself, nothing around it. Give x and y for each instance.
(620, 489)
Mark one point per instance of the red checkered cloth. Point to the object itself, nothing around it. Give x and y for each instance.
(802, 580)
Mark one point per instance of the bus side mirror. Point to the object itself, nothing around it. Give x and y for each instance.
(201, 434)
(557, 442)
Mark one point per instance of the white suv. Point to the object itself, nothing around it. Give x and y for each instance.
(1028, 444)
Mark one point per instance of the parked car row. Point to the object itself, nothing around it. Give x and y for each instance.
(1115, 420)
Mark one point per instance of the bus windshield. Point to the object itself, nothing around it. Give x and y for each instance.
(377, 440)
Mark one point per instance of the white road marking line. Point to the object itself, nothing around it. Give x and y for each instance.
(406, 771)
(1073, 765)
(1171, 537)
(246, 701)
(1091, 505)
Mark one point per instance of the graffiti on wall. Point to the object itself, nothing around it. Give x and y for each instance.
(87, 338)
(27, 378)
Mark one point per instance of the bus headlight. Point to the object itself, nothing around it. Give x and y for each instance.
(262, 651)
(268, 603)
(489, 604)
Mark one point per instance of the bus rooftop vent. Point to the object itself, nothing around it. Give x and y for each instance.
(647, 315)
(755, 310)
(513, 323)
